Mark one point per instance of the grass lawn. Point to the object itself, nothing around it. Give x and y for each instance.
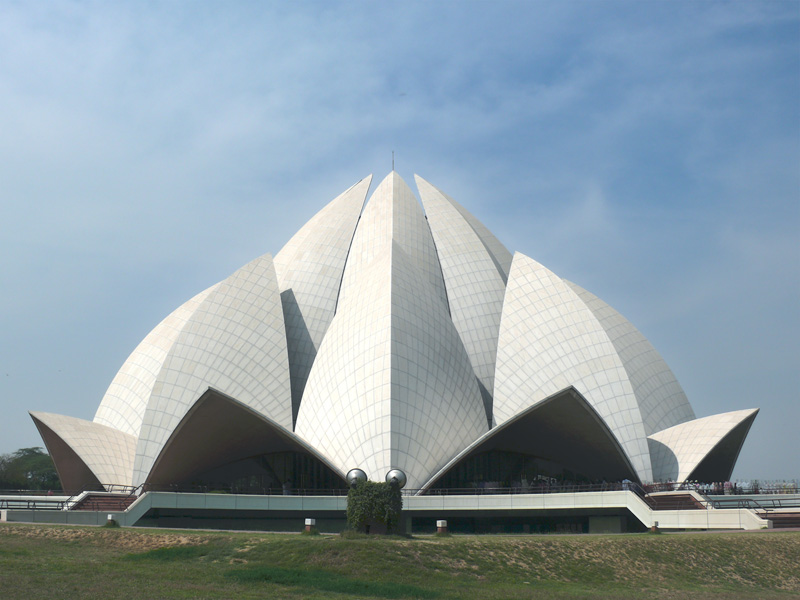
(43, 561)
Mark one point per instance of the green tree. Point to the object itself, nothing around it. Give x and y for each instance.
(28, 469)
(374, 507)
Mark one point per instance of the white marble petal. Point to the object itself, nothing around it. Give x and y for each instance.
(662, 402)
(550, 340)
(309, 269)
(392, 386)
(234, 342)
(499, 253)
(107, 452)
(474, 282)
(679, 449)
(125, 401)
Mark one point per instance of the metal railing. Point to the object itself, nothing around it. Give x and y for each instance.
(32, 493)
(114, 496)
(28, 504)
(127, 493)
(730, 488)
(762, 504)
(539, 487)
(544, 488)
(243, 490)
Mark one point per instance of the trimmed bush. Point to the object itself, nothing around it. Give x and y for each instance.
(374, 507)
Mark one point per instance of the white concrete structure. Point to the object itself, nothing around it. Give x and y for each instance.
(662, 402)
(392, 335)
(235, 342)
(549, 341)
(618, 504)
(678, 451)
(100, 452)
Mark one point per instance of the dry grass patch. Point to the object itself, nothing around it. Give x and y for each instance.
(126, 540)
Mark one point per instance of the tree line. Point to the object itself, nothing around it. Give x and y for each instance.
(28, 469)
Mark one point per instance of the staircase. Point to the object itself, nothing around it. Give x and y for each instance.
(781, 520)
(674, 501)
(104, 502)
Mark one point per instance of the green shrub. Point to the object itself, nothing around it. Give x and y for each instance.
(374, 507)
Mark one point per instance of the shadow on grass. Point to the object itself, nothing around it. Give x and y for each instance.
(171, 553)
(328, 582)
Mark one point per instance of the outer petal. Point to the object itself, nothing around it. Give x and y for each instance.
(125, 401)
(217, 431)
(563, 428)
(85, 453)
(549, 340)
(346, 411)
(234, 342)
(392, 386)
(309, 269)
(704, 449)
(662, 402)
(474, 280)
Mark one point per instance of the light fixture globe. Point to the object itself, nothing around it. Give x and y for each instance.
(396, 477)
(402, 337)
(354, 476)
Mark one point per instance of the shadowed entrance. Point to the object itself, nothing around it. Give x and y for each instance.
(221, 442)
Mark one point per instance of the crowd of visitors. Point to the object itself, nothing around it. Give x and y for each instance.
(545, 485)
(728, 488)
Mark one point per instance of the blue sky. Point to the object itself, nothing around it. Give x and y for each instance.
(648, 151)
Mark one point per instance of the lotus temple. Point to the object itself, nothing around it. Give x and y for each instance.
(393, 336)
